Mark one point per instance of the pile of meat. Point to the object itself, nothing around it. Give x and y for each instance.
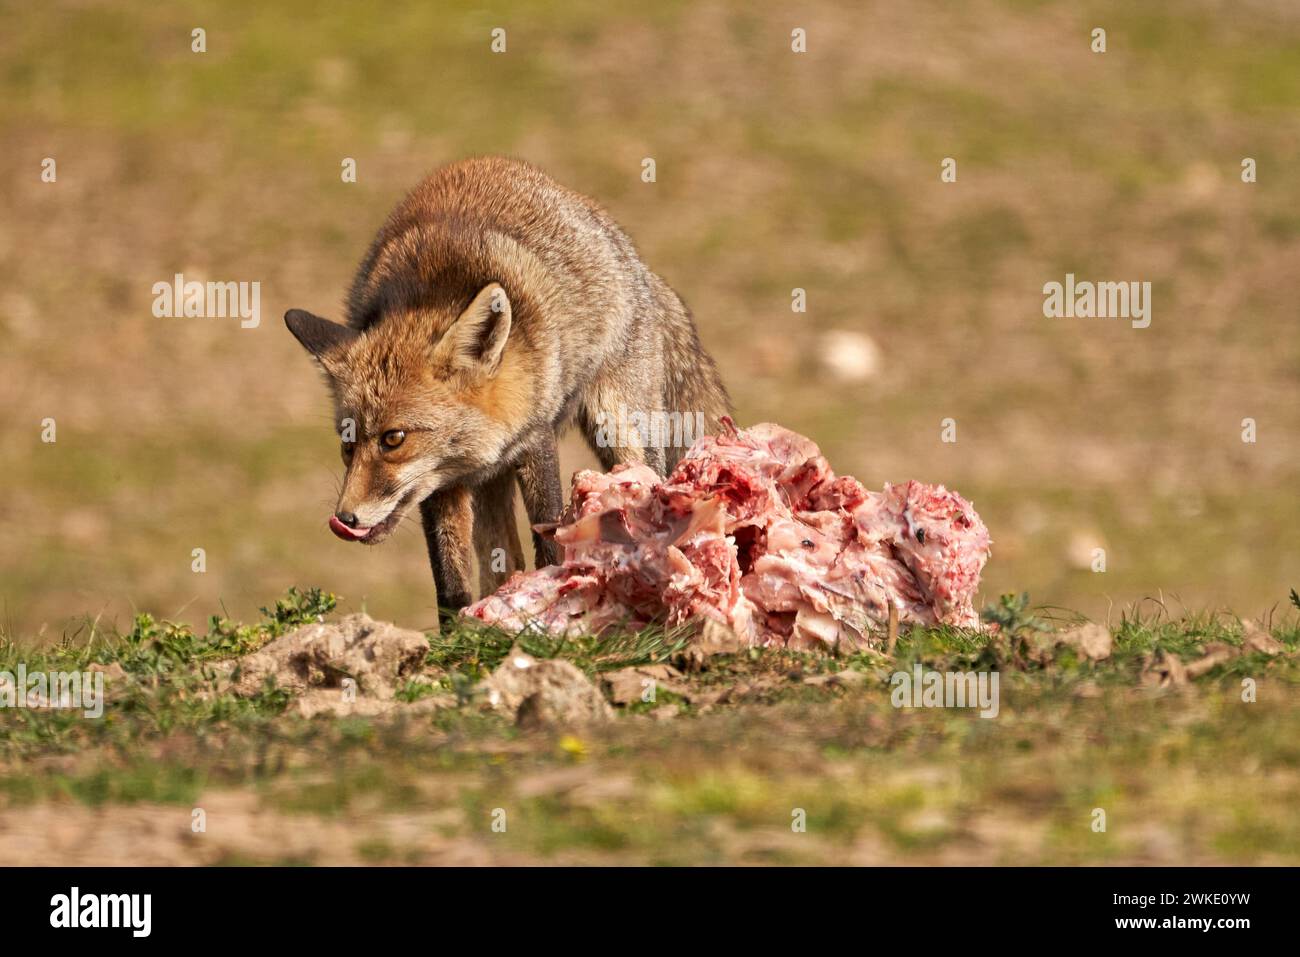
(753, 529)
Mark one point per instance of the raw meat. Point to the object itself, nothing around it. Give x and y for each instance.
(753, 529)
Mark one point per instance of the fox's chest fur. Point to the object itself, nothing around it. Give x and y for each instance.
(494, 309)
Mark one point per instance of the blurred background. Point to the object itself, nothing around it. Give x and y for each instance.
(775, 171)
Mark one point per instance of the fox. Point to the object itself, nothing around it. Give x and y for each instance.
(494, 310)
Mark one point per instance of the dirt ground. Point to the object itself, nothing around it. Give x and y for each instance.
(775, 171)
(1168, 741)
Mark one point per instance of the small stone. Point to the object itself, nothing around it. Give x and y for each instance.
(544, 692)
(378, 656)
(849, 356)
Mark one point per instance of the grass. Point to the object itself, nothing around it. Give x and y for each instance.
(775, 171)
(1186, 774)
(167, 683)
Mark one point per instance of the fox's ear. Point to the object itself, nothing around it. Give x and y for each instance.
(318, 336)
(477, 338)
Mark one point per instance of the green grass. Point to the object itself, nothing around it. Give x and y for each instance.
(476, 650)
(776, 171)
(1192, 773)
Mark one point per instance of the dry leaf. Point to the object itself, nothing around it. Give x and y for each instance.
(1215, 654)
(839, 679)
(629, 685)
(1257, 639)
(1091, 640)
(1164, 670)
(112, 672)
(713, 638)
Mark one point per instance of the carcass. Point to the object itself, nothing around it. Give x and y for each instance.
(755, 530)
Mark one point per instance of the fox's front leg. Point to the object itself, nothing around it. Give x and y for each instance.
(496, 539)
(448, 517)
(539, 483)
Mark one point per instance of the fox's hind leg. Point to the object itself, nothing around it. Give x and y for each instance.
(539, 482)
(496, 539)
(448, 517)
(613, 444)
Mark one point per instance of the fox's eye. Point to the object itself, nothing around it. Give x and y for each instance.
(393, 438)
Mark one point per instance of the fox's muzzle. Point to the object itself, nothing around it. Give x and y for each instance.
(349, 532)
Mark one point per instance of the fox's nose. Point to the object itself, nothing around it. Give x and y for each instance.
(347, 518)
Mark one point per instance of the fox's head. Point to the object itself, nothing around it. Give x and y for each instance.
(421, 401)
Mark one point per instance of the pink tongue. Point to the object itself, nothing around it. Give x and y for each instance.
(345, 533)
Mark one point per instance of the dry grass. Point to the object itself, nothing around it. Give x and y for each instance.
(716, 769)
(775, 171)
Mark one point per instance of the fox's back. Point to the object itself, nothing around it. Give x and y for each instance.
(590, 322)
(495, 219)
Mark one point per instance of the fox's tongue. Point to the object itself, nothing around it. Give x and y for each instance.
(345, 533)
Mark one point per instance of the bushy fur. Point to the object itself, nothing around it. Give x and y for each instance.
(495, 308)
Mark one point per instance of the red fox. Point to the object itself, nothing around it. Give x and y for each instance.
(494, 309)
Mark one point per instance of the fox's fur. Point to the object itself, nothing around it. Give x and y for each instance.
(494, 308)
